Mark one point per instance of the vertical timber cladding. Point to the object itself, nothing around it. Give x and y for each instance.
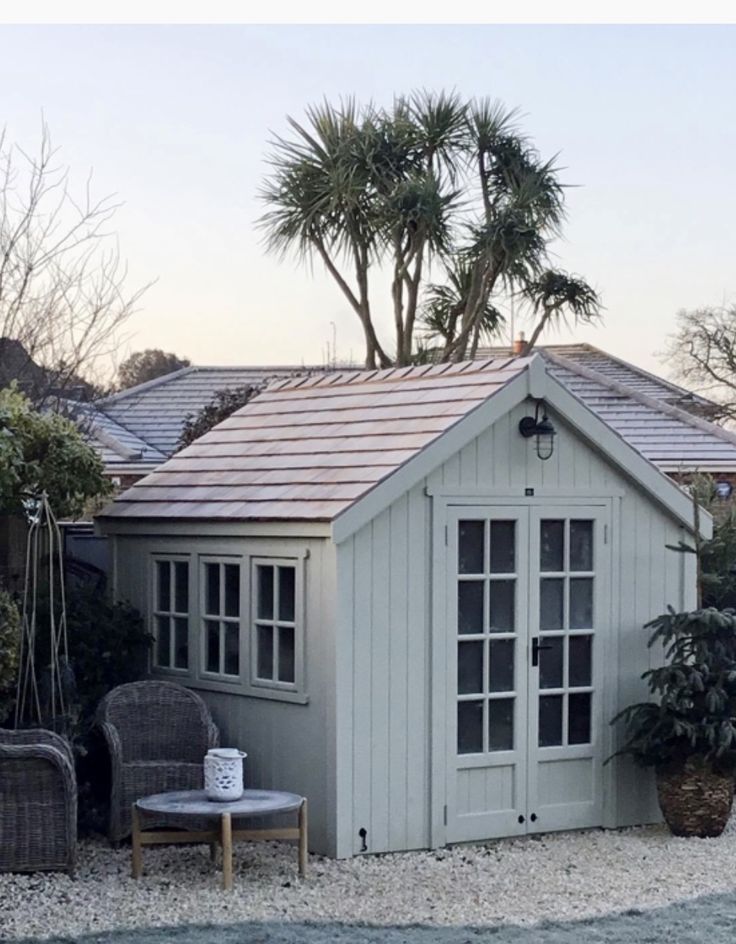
(399, 754)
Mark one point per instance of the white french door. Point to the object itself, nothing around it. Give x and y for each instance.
(526, 622)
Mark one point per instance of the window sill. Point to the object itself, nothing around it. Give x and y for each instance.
(236, 687)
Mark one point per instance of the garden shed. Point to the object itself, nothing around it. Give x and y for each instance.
(415, 596)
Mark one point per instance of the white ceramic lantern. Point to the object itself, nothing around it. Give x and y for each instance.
(223, 774)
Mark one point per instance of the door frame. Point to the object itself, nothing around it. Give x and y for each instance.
(441, 500)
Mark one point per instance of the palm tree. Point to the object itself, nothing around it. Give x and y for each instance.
(431, 180)
(557, 296)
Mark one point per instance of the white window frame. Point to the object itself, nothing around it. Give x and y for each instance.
(155, 611)
(203, 617)
(272, 688)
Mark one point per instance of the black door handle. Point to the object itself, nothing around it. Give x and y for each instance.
(536, 646)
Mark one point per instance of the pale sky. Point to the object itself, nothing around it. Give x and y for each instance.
(176, 120)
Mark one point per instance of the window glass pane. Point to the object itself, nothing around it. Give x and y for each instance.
(501, 605)
(212, 645)
(581, 545)
(550, 720)
(501, 665)
(287, 661)
(503, 547)
(163, 641)
(287, 581)
(580, 665)
(581, 603)
(470, 607)
(470, 550)
(264, 659)
(163, 587)
(212, 588)
(181, 642)
(181, 586)
(501, 724)
(232, 649)
(550, 661)
(469, 727)
(552, 545)
(470, 668)
(265, 591)
(578, 722)
(232, 590)
(551, 603)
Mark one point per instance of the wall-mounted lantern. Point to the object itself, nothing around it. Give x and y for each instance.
(724, 490)
(540, 426)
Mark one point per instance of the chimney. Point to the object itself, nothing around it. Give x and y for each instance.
(520, 343)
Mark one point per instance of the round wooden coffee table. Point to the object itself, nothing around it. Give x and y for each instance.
(194, 804)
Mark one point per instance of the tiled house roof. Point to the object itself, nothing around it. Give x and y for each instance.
(310, 447)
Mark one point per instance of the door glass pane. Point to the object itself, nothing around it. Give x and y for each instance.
(469, 727)
(578, 722)
(581, 545)
(551, 603)
(470, 668)
(501, 724)
(501, 665)
(265, 591)
(287, 579)
(181, 586)
(550, 720)
(181, 642)
(580, 664)
(163, 640)
(503, 547)
(287, 664)
(212, 655)
(264, 661)
(550, 661)
(501, 605)
(552, 545)
(470, 550)
(232, 590)
(163, 593)
(470, 607)
(581, 603)
(212, 588)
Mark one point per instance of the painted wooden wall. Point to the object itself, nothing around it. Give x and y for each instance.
(289, 746)
(384, 629)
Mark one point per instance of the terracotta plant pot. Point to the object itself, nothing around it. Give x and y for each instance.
(695, 801)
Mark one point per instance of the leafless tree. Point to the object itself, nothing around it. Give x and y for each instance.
(62, 279)
(703, 353)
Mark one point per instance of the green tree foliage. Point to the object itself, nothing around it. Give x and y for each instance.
(45, 452)
(431, 180)
(147, 365)
(695, 711)
(9, 652)
(223, 404)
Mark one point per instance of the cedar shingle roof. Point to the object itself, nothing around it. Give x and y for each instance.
(309, 447)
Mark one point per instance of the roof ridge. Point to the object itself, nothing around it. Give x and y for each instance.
(409, 372)
(146, 385)
(661, 405)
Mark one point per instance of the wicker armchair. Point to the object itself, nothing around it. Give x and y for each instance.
(157, 734)
(38, 802)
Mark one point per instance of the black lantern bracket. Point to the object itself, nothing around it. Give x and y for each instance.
(540, 426)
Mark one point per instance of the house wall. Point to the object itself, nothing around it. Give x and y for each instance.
(389, 783)
(290, 746)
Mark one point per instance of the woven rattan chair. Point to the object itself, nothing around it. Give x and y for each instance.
(157, 734)
(38, 802)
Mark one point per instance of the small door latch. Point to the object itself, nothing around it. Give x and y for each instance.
(536, 646)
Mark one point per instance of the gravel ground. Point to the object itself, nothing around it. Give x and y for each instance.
(558, 877)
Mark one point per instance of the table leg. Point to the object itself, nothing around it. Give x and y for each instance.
(303, 838)
(227, 852)
(136, 862)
